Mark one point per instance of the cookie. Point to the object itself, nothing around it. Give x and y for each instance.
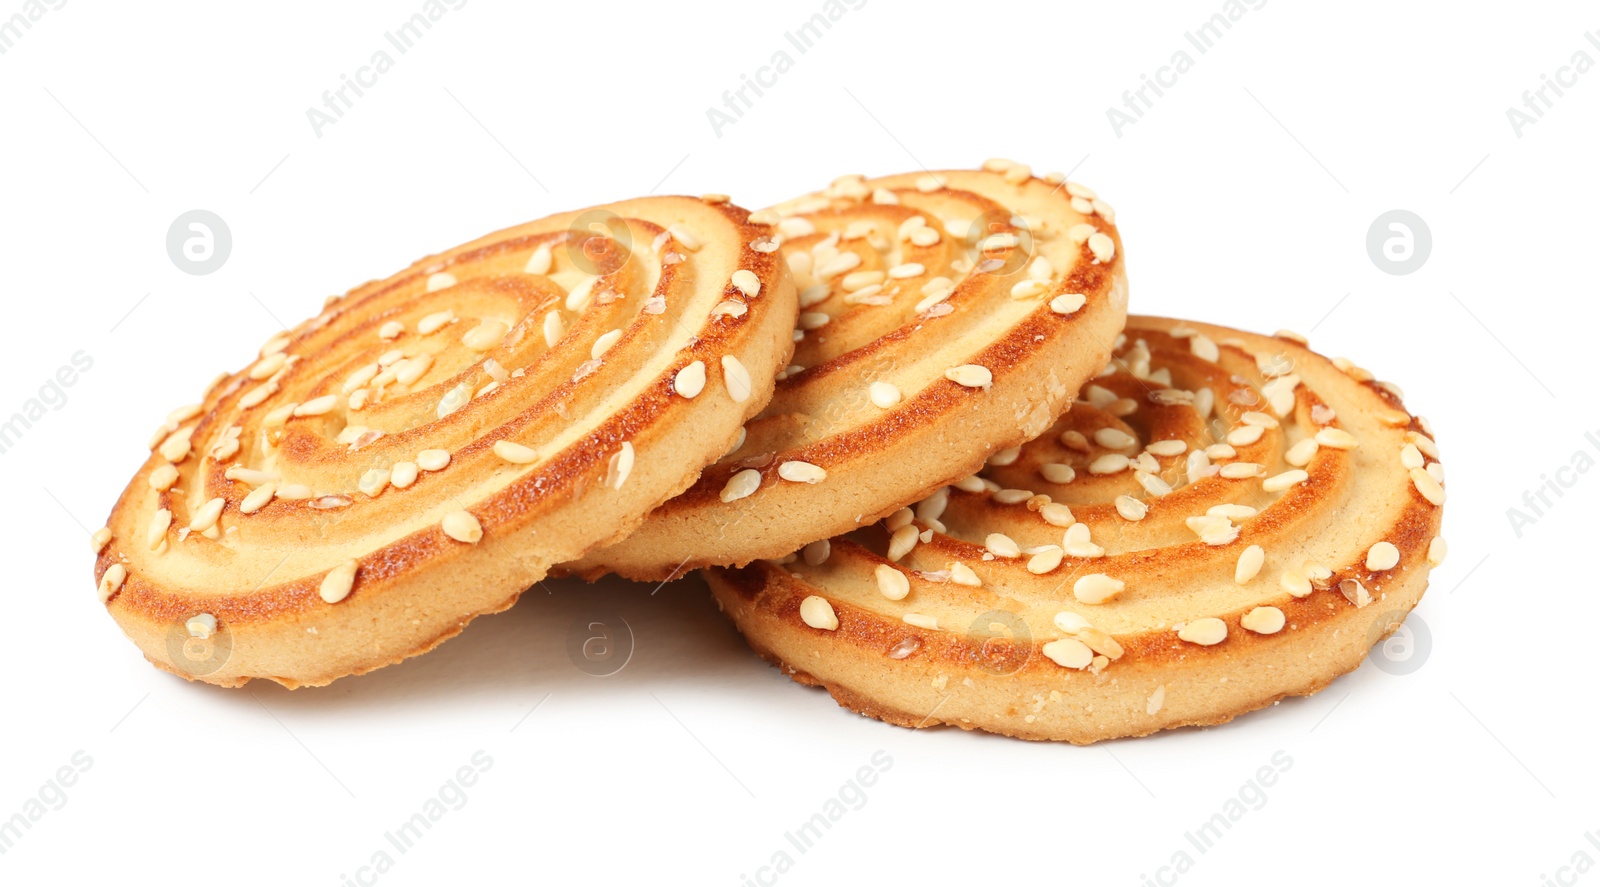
(1225, 519)
(430, 444)
(944, 316)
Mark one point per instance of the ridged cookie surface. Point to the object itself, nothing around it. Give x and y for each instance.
(1223, 520)
(428, 445)
(944, 316)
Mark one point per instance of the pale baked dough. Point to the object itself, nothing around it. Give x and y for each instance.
(426, 447)
(1117, 599)
(944, 316)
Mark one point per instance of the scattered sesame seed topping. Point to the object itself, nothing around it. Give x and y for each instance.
(1249, 565)
(746, 282)
(111, 581)
(462, 527)
(336, 584)
(515, 453)
(801, 472)
(741, 485)
(1097, 588)
(891, 582)
(818, 613)
(1068, 653)
(440, 280)
(1001, 545)
(970, 376)
(737, 379)
(1382, 556)
(1206, 631)
(1263, 620)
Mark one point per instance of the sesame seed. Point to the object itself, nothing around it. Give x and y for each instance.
(1097, 588)
(1213, 529)
(258, 498)
(1057, 515)
(924, 236)
(1012, 497)
(1336, 438)
(163, 476)
(1202, 347)
(201, 626)
(1263, 620)
(435, 321)
(603, 343)
(1046, 560)
(1000, 241)
(893, 583)
(801, 472)
(1114, 439)
(294, 492)
(1427, 486)
(318, 406)
(1300, 454)
(1355, 592)
(1001, 545)
(1437, 550)
(1249, 565)
(837, 265)
(1284, 480)
(901, 541)
(461, 526)
(1436, 471)
(515, 453)
(99, 539)
(1057, 472)
(1102, 247)
(1167, 448)
(1206, 631)
(816, 553)
(1411, 456)
(883, 394)
(730, 308)
(176, 447)
(747, 282)
(907, 270)
(929, 183)
(554, 328)
(278, 342)
(970, 376)
(742, 484)
(412, 369)
(620, 466)
(402, 475)
(1075, 541)
(818, 613)
(1110, 463)
(1131, 508)
(1082, 205)
(812, 320)
(433, 460)
(156, 535)
(373, 482)
(1295, 583)
(1221, 451)
(737, 378)
(961, 574)
(1245, 435)
(440, 280)
(685, 239)
(1382, 556)
(267, 366)
(485, 336)
(539, 262)
(111, 581)
(1152, 483)
(690, 380)
(1068, 653)
(1239, 470)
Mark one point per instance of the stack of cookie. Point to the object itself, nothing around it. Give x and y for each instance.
(904, 426)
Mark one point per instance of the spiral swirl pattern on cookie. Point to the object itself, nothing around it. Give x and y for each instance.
(1224, 519)
(430, 444)
(943, 316)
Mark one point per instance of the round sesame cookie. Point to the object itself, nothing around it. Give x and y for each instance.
(429, 444)
(944, 316)
(1224, 519)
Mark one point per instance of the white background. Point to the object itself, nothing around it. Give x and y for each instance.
(1244, 196)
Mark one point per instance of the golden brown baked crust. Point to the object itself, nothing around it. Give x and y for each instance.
(1200, 629)
(944, 316)
(428, 445)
